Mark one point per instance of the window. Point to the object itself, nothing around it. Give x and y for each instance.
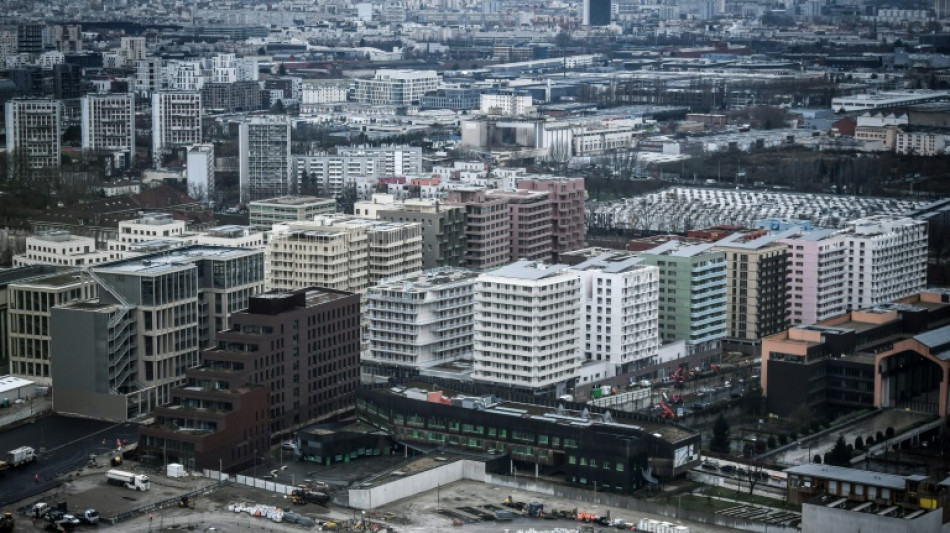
(619, 467)
(571, 460)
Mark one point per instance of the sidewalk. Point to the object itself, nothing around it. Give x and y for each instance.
(19, 412)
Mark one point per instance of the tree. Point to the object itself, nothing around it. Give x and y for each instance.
(839, 455)
(281, 70)
(771, 441)
(720, 439)
(816, 459)
(858, 443)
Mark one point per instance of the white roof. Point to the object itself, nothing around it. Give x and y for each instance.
(9, 383)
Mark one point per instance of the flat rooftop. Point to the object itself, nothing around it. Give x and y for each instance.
(58, 280)
(293, 200)
(175, 259)
(423, 281)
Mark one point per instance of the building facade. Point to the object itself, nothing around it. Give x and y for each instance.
(264, 158)
(530, 222)
(887, 259)
(265, 213)
(108, 125)
(487, 228)
(199, 172)
(396, 87)
(817, 276)
(61, 248)
(528, 327)
(443, 226)
(567, 197)
(33, 135)
(176, 122)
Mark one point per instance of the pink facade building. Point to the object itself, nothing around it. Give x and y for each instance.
(567, 196)
(817, 276)
(531, 227)
(487, 227)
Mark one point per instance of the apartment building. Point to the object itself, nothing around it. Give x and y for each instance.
(108, 125)
(341, 253)
(150, 227)
(148, 75)
(123, 353)
(396, 87)
(920, 141)
(420, 321)
(132, 49)
(323, 92)
(487, 227)
(180, 75)
(232, 236)
(818, 275)
(619, 305)
(692, 293)
(756, 286)
(506, 103)
(176, 122)
(528, 327)
(443, 225)
(530, 222)
(265, 213)
(29, 331)
(567, 197)
(264, 158)
(33, 134)
(61, 248)
(199, 172)
(228, 68)
(303, 347)
(887, 259)
(330, 174)
(231, 97)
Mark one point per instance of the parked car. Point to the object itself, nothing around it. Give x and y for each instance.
(288, 445)
(710, 465)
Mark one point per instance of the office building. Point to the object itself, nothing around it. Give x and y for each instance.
(153, 315)
(151, 227)
(443, 226)
(619, 297)
(232, 236)
(419, 321)
(341, 253)
(303, 347)
(528, 327)
(264, 158)
(199, 172)
(506, 103)
(530, 222)
(487, 227)
(108, 125)
(756, 286)
(265, 213)
(591, 447)
(176, 122)
(30, 334)
(396, 87)
(883, 356)
(61, 248)
(7, 277)
(33, 135)
(596, 13)
(692, 293)
(29, 38)
(231, 97)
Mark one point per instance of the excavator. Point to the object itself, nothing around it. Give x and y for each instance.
(667, 412)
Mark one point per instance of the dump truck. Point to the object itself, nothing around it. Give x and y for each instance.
(302, 496)
(127, 480)
(17, 457)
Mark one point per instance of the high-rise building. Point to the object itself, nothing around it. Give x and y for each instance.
(419, 321)
(530, 222)
(199, 172)
(818, 274)
(176, 122)
(443, 226)
(528, 327)
(567, 197)
(692, 293)
(33, 134)
(756, 286)
(887, 259)
(133, 49)
(108, 125)
(264, 158)
(619, 296)
(487, 228)
(30, 306)
(148, 75)
(596, 13)
(66, 38)
(29, 38)
(303, 346)
(341, 253)
(396, 87)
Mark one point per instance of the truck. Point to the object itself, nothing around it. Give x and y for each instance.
(17, 457)
(127, 480)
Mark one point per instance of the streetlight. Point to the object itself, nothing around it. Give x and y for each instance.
(255, 463)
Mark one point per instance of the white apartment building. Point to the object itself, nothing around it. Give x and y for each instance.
(342, 253)
(62, 248)
(228, 68)
(920, 141)
(396, 87)
(323, 92)
(33, 135)
(232, 236)
(28, 320)
(108, 125)
(887, 259)
(148, 228)
(619, 315)
(148, 75)
(199, 172)
(528, 327)
(182, 76)
(176, 122)
(356, 166)
(264, 157)
(817, 276)
(506, 103)
(419, 321)
(265, 213)
(132, 48)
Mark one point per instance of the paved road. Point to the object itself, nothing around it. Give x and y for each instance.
(65, 444)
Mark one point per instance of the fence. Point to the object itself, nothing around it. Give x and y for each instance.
(249, 481)
(170, 502)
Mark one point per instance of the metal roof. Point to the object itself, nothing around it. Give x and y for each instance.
(851, 475)
(938, 340)
(525, 269)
